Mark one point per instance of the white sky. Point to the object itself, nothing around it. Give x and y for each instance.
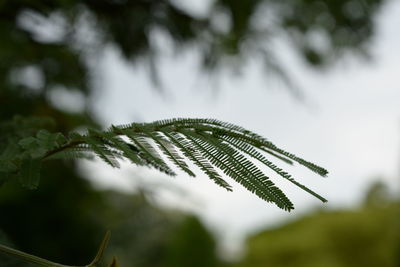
(349, 124)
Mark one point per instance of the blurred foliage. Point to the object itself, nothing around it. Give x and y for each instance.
(52, 44)
(192, 246)
(366, 236)
(64, 221)
(58, 221)
(377, 195)
(320, 31)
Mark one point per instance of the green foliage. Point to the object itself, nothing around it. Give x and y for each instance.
(210, 144)
(130, 27)
(21, 154)
(29, 175)
(182, 253)
(63, 201)
(141, 232)
(377, 195)
(367, 236)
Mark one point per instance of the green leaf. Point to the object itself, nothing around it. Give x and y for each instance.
(29, 175)
(252, 152)
(50, 140)
(32, 147)
(101, 150)
(188, 149)
(147, 152)
(44, 141)
(11, 151)
(214, 146)
(235, 165)
(169, 150)
(7, 166)
(28, 143)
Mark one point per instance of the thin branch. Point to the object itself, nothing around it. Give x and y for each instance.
(46, 263)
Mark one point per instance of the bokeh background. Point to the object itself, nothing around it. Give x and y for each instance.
(319, 78)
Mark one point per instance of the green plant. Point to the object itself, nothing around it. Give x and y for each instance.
(208, 143)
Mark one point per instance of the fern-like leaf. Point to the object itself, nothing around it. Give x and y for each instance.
(192, 153)
(235, 165)
(96, 143)
(244, 147)
(147, 152)
(210, 144)
(239, 132)
(169, 150)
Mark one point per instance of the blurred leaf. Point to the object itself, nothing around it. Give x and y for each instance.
(29, 175)
(50, 140)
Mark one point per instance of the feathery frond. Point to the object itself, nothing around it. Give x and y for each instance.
(235, 165)
(190, 151)
(100, 148)
(209, 144)
(169, 150)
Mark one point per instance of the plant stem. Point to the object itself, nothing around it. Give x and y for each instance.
(30, 258)
(46, 263)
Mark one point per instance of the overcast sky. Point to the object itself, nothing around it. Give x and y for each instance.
(349, 123)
